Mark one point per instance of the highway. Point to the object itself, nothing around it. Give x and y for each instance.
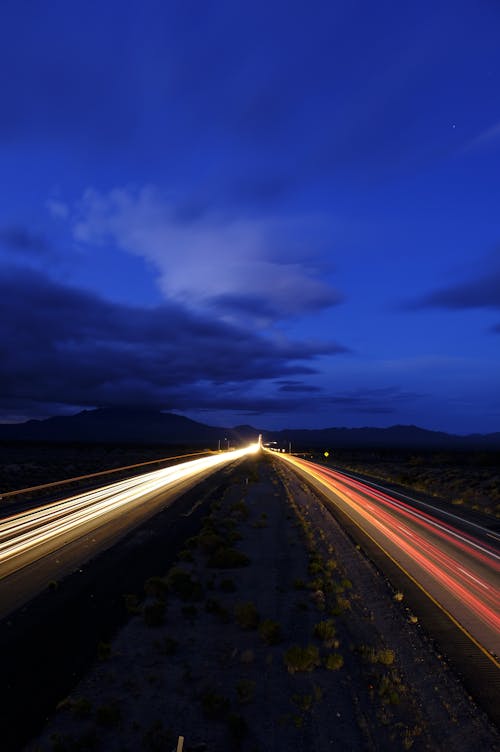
(456, 563)
(33, 543)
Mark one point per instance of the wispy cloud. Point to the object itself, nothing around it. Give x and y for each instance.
(243, 268)
(479, 292)
(57, 208)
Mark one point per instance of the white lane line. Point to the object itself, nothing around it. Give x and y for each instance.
(406, 531)
(390, 491)
(414, 512)
(473, 578)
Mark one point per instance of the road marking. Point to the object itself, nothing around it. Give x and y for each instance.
(434, 523)
(473, 578)
(414, 580)
(406, 531)
(418, 501)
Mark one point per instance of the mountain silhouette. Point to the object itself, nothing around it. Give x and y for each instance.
(150, 426)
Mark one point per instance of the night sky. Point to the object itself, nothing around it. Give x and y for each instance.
(278, 213)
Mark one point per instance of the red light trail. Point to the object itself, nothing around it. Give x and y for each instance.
(459, 571)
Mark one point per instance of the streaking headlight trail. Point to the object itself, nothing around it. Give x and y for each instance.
(26, 536)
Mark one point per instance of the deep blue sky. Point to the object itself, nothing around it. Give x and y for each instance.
(277, 213)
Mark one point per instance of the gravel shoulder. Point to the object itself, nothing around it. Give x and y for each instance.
(272, 631)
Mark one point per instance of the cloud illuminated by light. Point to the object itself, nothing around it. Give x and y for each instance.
(212, 260)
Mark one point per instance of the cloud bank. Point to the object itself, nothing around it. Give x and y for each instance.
(61, 345)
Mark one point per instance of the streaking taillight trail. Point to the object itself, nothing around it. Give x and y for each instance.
(459, 570)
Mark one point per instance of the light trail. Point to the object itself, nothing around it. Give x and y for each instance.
(26, 536)
(111, 471)
(458, 570)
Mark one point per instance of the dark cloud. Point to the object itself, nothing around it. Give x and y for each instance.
(298, 386)
(482, 292)
(258, 306)
(20, 240)
(66, 346)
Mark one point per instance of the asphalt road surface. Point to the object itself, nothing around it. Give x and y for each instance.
(456, 563)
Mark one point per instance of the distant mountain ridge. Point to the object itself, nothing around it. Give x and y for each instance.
(149, 426)
(393, 436)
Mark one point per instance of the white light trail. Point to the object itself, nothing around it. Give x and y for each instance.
(25, 532)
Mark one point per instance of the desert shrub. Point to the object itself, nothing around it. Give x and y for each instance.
(156, 587)
(315, 567)
(208, 542)
(103, 651)
(131, 603)
(316, 584)
(270, 631)
(341, 605)
(246, 615)
(239, 510)
(214, 705)
(386, 657)
(301, 658)
(388, 691)
(227, 586)
(334, 661)
(154, 614)
(303, 702)
(331, 565)
(245, 690)
(325, 631)
(318, 596)
(81, 707)
(233, 536)
(228, 558)
(180, 582)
